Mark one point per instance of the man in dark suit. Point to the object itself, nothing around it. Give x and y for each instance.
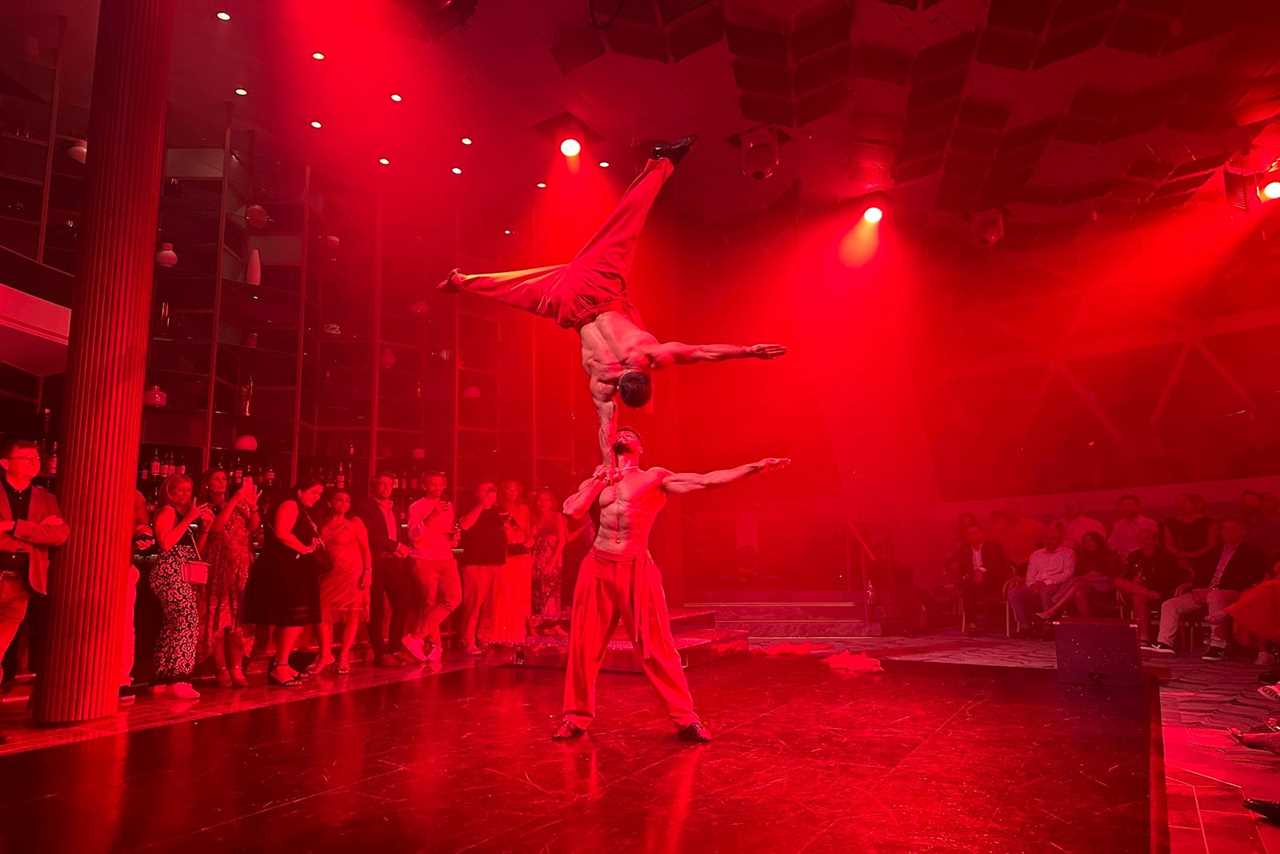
(388, 606)
(30, 525)
(980, 569)
(1238, 566)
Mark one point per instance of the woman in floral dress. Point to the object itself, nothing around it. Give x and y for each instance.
(550, 533)
(225, 634)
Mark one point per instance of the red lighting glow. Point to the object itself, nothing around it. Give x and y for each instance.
(570, 147)
(317, 56)
(604, 164)
(873, 214)
(384, 161)
(541, 185)
(1271, 191)
(466, 140)
(315, 124)
(224, 16)
(395, 96)
(457, 170)
(241, 91)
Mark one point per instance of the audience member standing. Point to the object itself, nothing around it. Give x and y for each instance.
(980, 570)
(1127, 532)
(484, 551)
(438, 585)
(284, 583)
(388, 605)
(1049, 570)
(30, 524)
(344, 589)
(513, 584)
(1191, 536)
(226, 634)
(182, 531)
(1076, 524)
(1233, 568)
(550, 535)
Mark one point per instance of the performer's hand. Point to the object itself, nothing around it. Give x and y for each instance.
(603, 472)
(774, 463)
(767, 351)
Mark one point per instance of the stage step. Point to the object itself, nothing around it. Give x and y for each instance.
(794, 619)
(773, 629)
(697, 646)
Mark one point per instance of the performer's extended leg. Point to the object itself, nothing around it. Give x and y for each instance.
(658, 654)
(612, 248)
(534, 289)
(595, 617)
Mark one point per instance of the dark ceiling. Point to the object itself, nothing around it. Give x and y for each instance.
(1055, 111)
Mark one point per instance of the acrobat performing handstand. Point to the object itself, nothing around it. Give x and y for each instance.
(618, 580)
(590, 294)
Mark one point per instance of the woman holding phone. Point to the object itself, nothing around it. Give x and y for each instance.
(225, 633)
(181, 531)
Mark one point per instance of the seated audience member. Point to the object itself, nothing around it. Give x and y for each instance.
(1262, 522)
(1150, 576)
(1236, 567)
(30, 524)
(980, 570)
(1049, 570)
(1191, 536)
(1257, 614)
(1018, 535)
(1097, 568)
(1075, 525)
(1127, 532)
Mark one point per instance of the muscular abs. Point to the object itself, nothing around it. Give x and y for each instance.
(628, 509)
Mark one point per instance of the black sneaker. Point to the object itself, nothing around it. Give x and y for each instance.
(1214, 653)
(696, 732)
(674, 150)
(1270, 810)
(1162, 648)
(567, 731)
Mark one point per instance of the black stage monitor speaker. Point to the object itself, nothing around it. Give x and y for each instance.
(1097, 652)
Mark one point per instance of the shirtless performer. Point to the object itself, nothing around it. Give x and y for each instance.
(590, 294)
(618, 580)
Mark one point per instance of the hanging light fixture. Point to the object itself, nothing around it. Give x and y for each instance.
(78, 151)
(256, 216)
(253, 271)
(166, 257)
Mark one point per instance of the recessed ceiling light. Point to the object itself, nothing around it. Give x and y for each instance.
(395, 96)
(384, 161)
(570, 147)
(224, 16)
(318, 55)
(604, 164)
(315, 124)
(241, 91)
(466, 140)
(506, 231)
(457, 170)
(541, 185)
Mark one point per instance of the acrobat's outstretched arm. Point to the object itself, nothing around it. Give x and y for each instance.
(677, 353)
(679, 483)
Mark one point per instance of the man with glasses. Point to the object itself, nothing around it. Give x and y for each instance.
(29, 525)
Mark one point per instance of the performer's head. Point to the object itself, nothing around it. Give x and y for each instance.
(635, 388)
(626, 442)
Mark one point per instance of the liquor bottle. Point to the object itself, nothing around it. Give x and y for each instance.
(341, 482)
(237, 472)
(181, 468)
(155, 463)
(51, 462)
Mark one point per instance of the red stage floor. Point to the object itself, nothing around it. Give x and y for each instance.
(923, 757)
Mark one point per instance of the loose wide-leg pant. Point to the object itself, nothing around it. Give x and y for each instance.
(595, 280)
(630, 590)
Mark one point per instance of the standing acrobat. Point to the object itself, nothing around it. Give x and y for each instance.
(618, 580)
(590, 294)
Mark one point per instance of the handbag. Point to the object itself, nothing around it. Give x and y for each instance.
(195, 571)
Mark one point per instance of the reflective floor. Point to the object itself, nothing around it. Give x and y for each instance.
(922, 757)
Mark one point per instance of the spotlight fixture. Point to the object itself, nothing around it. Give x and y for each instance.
(873, 214)
(317, 56)
(1270, 191)
(541, 185)
(466, 140)
(457, 170)
(506, 231)
(241, 91)
(315, 124)
(382, 161)
(604, 164)
(395, 96)
(224, 16)
(570, 147)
